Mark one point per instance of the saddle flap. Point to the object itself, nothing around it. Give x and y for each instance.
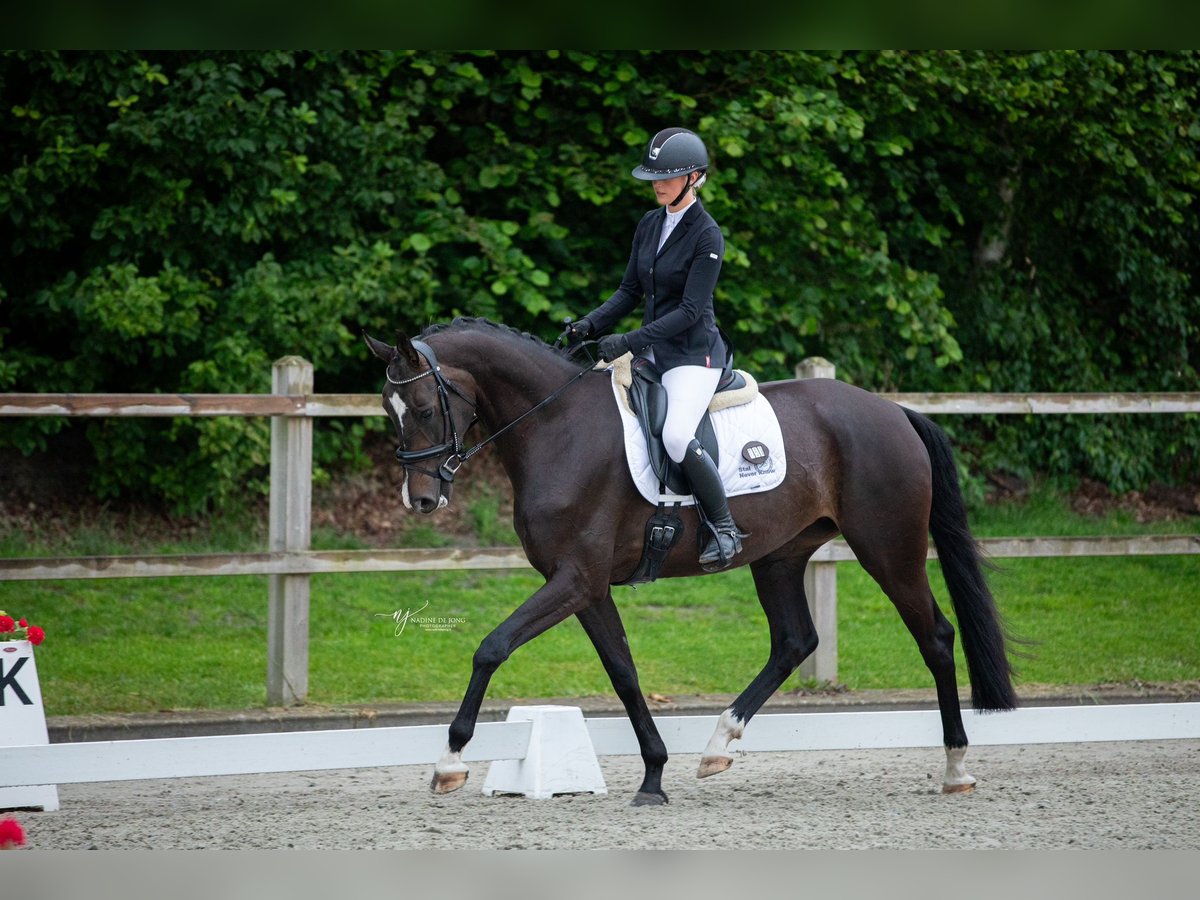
(648, 400)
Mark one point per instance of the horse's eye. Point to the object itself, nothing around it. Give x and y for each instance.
(427, 414)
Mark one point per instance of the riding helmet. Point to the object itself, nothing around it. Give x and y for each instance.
(671, 153)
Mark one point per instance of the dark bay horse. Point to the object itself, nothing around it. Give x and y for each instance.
(881, 476)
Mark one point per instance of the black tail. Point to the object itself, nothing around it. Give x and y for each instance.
(983, 636)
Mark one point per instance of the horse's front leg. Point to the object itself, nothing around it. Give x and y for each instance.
(603, 625)
(563, 595)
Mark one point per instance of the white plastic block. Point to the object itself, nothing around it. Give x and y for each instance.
(560, 759)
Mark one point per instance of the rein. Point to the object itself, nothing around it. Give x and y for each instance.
(458, 457)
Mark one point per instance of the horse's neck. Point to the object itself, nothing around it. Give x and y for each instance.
(511, 374)
(563, 443)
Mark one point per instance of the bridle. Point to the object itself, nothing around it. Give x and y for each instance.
(454, 445)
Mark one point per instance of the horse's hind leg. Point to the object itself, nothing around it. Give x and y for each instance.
(780, 585)
(603, 625)
(935, 639)
(898, 565)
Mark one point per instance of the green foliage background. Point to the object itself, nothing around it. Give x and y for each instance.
(927, 221)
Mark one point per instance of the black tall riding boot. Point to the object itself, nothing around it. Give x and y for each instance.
(706, 484)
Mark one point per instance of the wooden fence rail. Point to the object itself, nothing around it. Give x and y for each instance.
(330, 562)
(346, 405)
(290, 562)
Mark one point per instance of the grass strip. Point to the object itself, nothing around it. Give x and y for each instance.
(131, 645)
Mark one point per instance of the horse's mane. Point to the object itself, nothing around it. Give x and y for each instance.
(467, 323)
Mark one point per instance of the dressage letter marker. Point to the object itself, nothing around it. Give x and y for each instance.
(23, 722)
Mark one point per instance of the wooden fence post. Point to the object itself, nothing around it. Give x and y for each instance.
(820, 587)
(820, 578)
(290, 530)
(815, 367)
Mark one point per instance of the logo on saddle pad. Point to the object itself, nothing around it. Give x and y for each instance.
(758, 455)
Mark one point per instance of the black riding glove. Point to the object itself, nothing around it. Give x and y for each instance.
(613, 346)
(576, 332)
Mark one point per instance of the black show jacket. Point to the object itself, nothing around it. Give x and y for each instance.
(677, 287)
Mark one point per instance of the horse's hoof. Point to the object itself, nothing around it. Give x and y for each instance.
(444, 783)
(712, 765)
(647, 799)
(958, 788)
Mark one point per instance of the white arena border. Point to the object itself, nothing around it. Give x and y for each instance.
(305, 751)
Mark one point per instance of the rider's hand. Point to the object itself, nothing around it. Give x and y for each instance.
(575, 332)
(613, 346)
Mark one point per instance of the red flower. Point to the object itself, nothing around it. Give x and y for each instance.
(11, 834)
(7, 623)
(36, 635)
(22, 623)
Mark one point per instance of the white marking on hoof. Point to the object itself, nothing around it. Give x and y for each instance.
(958, 788)
(716, 757)
(957, 781)
(445, 784)
(450, 773)
(713, 765)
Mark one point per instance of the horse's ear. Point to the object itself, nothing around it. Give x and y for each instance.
(379, 348)
(406, 349)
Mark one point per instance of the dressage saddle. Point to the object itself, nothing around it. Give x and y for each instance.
(648, 400)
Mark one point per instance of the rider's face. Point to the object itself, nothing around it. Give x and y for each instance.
(667, 189)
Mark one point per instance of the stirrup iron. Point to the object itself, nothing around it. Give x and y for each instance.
(714, 558)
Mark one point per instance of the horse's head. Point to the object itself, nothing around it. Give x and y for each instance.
(431, 407)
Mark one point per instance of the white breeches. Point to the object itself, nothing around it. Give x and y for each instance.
(689, 391)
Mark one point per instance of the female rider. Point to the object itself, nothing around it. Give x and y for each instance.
(673, 269)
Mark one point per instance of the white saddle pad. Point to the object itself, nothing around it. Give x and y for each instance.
(750, 442)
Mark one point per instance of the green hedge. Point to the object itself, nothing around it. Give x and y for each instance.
(928, 221)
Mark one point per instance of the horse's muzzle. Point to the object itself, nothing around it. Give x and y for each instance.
(425, 505)
(426, 494)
